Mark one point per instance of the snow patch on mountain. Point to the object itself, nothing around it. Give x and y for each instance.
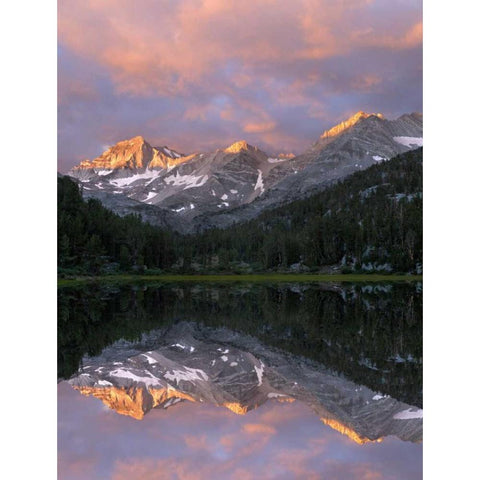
(259, 372)
(259, 183)
(149, 196)
(410, 141)
(123, 373)
(275, 395)
(276, 160)
(190, 375)
(105, 383)
(148, 174)
(103, 172)
(379, 397)
(150, 359)
(408, 414)
(190, 181)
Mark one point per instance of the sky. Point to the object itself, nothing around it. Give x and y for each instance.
(197, 75)
(196, 441)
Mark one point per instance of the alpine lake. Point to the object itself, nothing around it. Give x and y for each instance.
(169, 379)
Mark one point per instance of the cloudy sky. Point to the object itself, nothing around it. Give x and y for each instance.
(199, 74)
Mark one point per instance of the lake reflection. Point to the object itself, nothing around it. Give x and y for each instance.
(195, 441)
(345, 356)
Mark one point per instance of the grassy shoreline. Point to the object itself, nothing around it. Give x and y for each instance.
(266, 277)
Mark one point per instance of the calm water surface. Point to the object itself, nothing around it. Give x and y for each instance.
(367, 334)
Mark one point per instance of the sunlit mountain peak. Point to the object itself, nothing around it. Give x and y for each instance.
(239, 146)
(342, 126)
(134, 153)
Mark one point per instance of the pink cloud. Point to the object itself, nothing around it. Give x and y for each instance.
(196, 112)
(75, 89)
(149, 469)
(336, 470)
(196, 442)
(259, 127)
(77, 467)
(414, 36)
(166, 48)
(228, 441)
(366, 82)
(260, 428)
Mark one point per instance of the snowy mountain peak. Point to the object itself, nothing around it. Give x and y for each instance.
(134, 153)
(125, 154)
(342, 126)
(239, 146)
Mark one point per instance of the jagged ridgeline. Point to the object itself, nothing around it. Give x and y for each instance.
(370, 221)
(188, 193)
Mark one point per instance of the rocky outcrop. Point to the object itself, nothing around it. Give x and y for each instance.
(223, 368)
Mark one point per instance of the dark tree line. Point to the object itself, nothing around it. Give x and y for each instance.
(371, 220)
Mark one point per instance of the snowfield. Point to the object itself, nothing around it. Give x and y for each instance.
(259, 183)
(409, 141)
(148, 174)
(190, 181)
(408, 414)
(189, 375)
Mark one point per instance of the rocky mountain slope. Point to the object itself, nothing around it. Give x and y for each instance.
(224, 368)
(361, 141)
(223, 187)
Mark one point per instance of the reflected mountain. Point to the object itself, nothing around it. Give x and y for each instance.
(218, 366)
(371, 334)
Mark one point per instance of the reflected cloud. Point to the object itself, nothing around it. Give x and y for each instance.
(191, 364)
(189, 442)
(258, 428)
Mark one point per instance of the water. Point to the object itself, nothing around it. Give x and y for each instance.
(347, 358)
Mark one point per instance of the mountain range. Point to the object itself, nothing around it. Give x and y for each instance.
(192, 192)
(224, 368)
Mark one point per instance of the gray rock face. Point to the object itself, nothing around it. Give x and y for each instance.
(123, 205)
(224, 368)
(217, 189)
